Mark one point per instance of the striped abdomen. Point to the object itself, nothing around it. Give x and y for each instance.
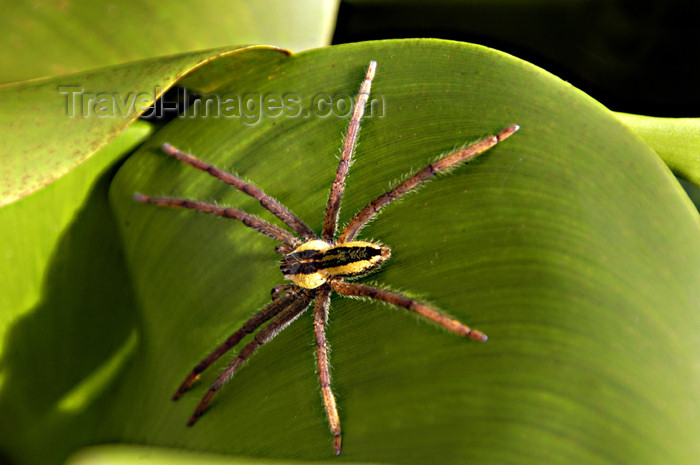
(312, 263)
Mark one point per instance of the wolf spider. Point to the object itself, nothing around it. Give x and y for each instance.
(316, 265)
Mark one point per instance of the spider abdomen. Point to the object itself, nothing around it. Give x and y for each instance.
(312, 263)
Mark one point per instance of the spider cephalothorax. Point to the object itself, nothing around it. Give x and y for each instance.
(311, 264)
(316, 265)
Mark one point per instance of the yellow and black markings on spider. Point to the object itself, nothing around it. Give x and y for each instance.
(316, 265)
(312, 263)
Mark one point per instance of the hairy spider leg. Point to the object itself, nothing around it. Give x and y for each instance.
(295, 308)
(465, 155)
(333, 208)
(284, 249)
(279, 289)
(320, 319)
(362, 290)
(249, 220)
(289, 300)
(271, 310)
(276, 208)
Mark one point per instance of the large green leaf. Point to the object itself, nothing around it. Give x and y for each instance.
(676, 140)
(61, 262)
(66, 307)
(66, 37)
(570, 245)
(140, 455)
(71, 117)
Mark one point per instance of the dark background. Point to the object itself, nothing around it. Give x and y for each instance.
(632, 56)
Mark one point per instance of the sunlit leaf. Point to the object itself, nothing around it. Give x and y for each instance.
(570, 244)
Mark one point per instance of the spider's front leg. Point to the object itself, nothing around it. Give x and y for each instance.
(279, 289)
(272, 205)
(287, 239)
(297, 303)
(248, 327)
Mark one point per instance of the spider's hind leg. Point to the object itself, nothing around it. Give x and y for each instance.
(320, 319)
(445, 163)
(362, 290)
(333, 207)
